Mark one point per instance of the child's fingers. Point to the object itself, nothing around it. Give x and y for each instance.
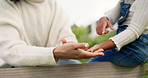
(99, 50)
(94, 48)
(101, 53)
(106, 31)
(89, 50)
(110, 26)
(103, 29)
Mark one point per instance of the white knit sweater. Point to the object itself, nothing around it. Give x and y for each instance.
(30, 30)
(137, 21)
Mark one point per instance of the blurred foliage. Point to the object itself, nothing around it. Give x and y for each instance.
(83, 35)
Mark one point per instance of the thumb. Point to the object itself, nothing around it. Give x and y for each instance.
(81, 45)
(63, 41)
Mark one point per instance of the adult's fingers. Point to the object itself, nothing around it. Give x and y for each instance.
(63, 41)
(80, 45)
(89, 54)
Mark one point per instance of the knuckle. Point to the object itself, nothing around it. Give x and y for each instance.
(98, 32)
(73, 45)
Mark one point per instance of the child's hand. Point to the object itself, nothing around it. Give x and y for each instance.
(95, 48)
(103, 23)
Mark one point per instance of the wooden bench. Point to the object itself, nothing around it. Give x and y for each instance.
(92, 70)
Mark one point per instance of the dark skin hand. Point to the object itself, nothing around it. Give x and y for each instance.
(72, 50)
(105, 46)
(103, 23)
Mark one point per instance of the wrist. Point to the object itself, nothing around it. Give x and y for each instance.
(107, 45)
(56, 53)
(107, 18)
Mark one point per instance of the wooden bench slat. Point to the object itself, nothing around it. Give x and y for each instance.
(92, 70)
(145, 69)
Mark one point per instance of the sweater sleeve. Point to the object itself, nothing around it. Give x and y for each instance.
(13, 49)
(114, 14)
(136, 26)
(62, 26)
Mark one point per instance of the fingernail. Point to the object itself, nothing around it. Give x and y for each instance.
(101, 50)
(89, 50)
(86, 45)
(102, 54)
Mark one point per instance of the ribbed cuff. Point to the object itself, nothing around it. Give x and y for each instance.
(123, 38)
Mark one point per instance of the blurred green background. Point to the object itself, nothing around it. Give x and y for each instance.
(83, 35)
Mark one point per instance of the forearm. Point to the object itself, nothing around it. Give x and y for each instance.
(107, 45)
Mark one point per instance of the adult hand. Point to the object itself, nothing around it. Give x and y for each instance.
(64, 41)
(72, 51)
(103, 23)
